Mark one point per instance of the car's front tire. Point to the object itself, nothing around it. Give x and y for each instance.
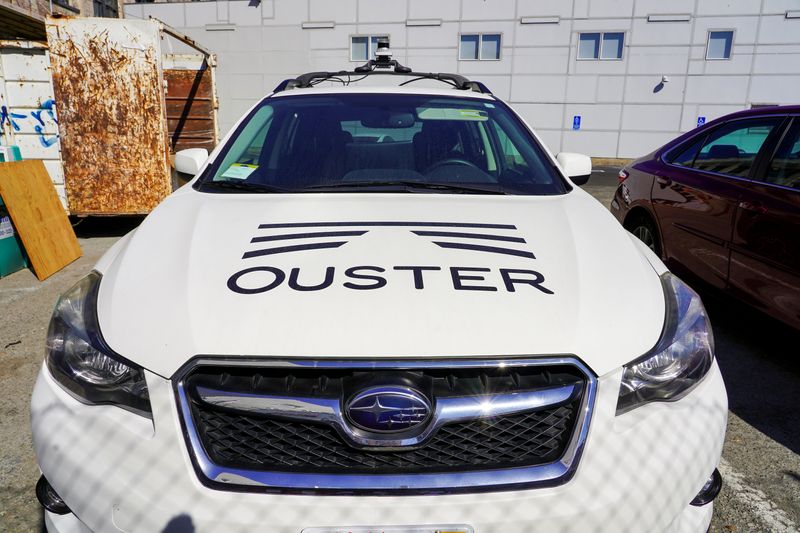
(644, 228)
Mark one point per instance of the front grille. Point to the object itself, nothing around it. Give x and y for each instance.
(233, 443)
(240, 441)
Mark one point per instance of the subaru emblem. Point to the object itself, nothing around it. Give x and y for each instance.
(388, 409)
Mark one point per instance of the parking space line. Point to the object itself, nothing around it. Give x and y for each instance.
(19, 289)
(756, 501)
(8, 296)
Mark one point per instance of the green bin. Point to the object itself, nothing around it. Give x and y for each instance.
(12, 254)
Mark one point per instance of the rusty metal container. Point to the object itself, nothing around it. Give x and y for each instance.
(121, 113)
(191, 102)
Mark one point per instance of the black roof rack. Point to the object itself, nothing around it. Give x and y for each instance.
(383, 64)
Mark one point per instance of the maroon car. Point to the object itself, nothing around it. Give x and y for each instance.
(721, 204)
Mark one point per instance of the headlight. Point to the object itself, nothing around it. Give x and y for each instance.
(79, 359)
(681, 358)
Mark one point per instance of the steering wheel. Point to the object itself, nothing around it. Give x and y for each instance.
(452, 161)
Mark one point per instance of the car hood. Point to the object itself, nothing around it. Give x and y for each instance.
(205, 275)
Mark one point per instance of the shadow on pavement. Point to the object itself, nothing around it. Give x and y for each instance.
(605, 176)
(116, 226)
(180, 524)
(760, 366)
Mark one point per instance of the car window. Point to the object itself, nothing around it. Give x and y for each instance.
(686, 153)
(312, 142)
(784, 169)
(732, 148)
(509, 150)
(244, 155)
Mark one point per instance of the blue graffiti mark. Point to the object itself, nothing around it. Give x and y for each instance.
(5, 116)
(14, 122)
(38, 116)
(11, 118)
(49, 106)
(46, 142)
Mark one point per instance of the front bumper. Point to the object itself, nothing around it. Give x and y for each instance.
(118, 472)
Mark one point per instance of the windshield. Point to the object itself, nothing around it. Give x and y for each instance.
(382, 142)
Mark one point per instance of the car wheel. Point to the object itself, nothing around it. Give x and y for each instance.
(645, 230)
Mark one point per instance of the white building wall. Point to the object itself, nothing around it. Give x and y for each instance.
(625, 109)
(27, 107)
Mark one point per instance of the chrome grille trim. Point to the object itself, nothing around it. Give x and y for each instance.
(448, 410)
(550, 474)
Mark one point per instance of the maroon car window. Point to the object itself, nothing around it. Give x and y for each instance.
(784, 169)
(686, 153)
(732, 148)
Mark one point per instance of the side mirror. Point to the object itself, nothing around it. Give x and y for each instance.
(577, 167)
(190, 160)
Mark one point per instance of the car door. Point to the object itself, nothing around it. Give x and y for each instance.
(765, 252)
(696, 196)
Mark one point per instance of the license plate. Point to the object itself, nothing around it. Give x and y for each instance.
(391, 529)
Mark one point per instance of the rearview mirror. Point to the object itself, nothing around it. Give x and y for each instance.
(577, 167)
(190, 160)
(385, 119)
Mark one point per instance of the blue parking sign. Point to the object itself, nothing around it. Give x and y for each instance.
(576, 122)
(701, 121)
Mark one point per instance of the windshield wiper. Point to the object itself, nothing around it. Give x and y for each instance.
(466, 189)
(249, 187)
(240, 186)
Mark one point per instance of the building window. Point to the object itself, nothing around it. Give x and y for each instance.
(480, 46)
(363, 47)
(720, 44)
(65, 5)
(605, 46)
(106, 8)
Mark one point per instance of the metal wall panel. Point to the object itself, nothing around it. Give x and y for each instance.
(28, 116)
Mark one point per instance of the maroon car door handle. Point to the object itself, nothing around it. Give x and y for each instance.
(753, 206)
(663, 181)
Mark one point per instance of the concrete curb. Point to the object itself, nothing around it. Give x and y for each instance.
(610, 162)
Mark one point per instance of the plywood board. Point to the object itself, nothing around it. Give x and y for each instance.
(38, 216)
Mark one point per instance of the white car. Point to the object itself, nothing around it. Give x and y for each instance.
(379, 310)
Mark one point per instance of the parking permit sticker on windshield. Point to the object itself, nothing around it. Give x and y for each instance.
(473, 114)
(440, 113)
(239, 171)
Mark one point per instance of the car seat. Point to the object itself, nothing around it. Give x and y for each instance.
(723, 151)
(436, 141)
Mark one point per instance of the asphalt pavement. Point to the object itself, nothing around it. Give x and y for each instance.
(758, 358)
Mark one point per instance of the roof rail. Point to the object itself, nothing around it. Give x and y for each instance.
(345, 77)
(383, 64)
